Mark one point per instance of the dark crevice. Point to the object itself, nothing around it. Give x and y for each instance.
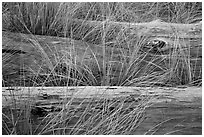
(13, 51)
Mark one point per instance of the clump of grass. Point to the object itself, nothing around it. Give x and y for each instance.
(49, 18)
(53, 19)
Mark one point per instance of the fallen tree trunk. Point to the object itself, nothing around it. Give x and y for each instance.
(93, 31)
(163, 107)
(161, 94)
(159, 46)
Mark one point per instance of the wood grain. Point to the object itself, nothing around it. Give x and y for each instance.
(166, 110)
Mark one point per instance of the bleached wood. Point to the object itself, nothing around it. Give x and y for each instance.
(161, 94)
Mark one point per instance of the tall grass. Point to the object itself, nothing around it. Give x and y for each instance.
(50, 18)
(117, 58)
(53, 19)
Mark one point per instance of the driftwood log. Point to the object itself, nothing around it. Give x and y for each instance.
(167, 110)
(90, 30)
(26, 55)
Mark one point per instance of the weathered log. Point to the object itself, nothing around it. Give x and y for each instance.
(180, 108)
(187, 35)
(165, 94)
(84, 29)
(44, 53)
